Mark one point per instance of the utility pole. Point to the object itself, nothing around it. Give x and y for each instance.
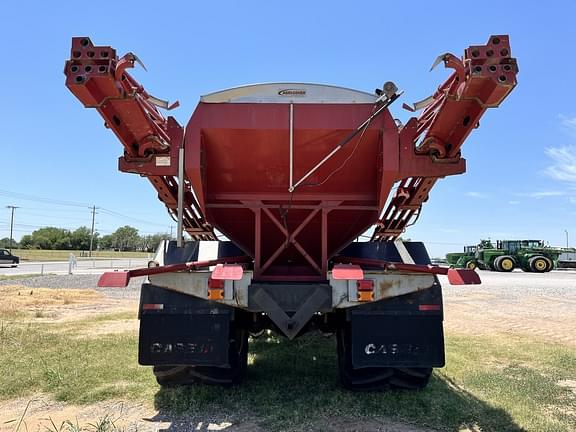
(566, 231)
(11, 225)
(92, 232)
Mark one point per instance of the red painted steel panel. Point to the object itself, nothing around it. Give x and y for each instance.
(238, 154)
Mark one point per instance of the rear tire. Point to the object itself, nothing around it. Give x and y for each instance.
(504, 264)
(171, 375)
(539, 264)
(375, 378)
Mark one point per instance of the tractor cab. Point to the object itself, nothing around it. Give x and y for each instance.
(515, 245)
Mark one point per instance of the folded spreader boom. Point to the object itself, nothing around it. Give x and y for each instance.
(99, 79)
(293, 174)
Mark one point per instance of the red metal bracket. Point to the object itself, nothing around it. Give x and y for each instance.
(121, 279)
(455, 276)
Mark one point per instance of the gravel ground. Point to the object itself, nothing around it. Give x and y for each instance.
(78, 282)
(519, 284)
(537, 305)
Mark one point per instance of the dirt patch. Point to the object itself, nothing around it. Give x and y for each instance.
(17, 299)
(57, 305)
(41, 414)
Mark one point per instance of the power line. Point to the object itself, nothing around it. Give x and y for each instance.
(74, 218)
(41, 199)
(114, 213)
(72, 204)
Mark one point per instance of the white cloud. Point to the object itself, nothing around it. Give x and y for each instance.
(563, 158)
(513, 202)
(568, 122)
(540, 195)
(545, 194)
(564, 164)
(476, 195)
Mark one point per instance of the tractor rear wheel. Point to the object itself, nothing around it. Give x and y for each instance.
(471, 265)
(375, 378)
(539, 264)
(504, 263)
(171, 375)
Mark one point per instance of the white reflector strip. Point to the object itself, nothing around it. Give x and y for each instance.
(404, 254)
(208, 250)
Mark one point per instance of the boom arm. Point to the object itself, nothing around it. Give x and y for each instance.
(98, 78)
(481, 80)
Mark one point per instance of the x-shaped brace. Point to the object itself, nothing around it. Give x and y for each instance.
(291, 239)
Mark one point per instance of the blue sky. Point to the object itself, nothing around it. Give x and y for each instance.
(521, 179)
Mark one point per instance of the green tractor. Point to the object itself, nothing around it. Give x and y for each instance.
(529, 255)
(466, 259)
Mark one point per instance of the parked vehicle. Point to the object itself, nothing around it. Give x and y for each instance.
(466, 259)
(528, 255)
(6, 258)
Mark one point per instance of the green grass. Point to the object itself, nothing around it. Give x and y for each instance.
(18, 276)
(63, 255)
(489, 384)
(77, 370)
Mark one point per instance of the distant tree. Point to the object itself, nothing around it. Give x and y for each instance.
(106, 242)
(126, 238)
(51, 238)
(149, 243)
(80, 238)
(26, 242)
(5, 243)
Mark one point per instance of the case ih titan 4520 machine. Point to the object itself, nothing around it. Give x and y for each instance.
(292, 174)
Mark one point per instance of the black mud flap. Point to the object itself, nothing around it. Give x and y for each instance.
(181, 329)
(396, 341)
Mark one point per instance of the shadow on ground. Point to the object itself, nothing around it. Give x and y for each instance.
(292, 385)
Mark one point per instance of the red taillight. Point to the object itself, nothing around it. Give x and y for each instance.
(429, 307)
(152, 306)
(216, 283)
(365, 285)
(365, 288)
(216, 289)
